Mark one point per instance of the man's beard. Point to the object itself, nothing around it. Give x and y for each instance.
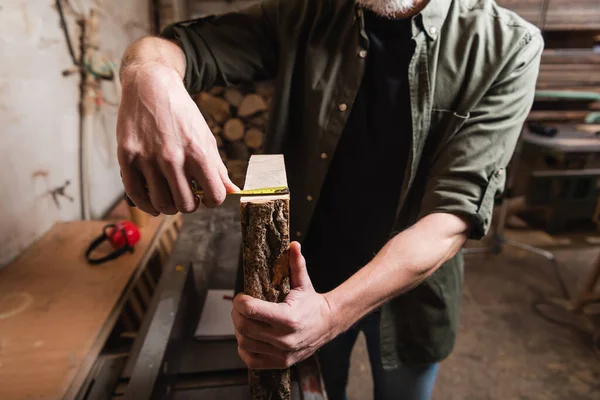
(387, 8)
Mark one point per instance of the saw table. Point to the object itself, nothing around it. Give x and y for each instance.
(166, 362)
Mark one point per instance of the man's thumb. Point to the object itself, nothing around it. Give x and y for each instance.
(230, 187)
(298, 273)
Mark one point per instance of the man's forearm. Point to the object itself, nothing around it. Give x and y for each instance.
(404, 262)
(153, 50)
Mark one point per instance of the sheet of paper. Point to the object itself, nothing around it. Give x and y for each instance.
(215, 320)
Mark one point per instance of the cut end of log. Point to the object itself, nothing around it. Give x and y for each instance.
(233, 96)
(215, 107)
(265, 171)
(251, 105)
(234, 129)
(254, 138)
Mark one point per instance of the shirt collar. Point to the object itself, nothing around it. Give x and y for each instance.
(432, 17)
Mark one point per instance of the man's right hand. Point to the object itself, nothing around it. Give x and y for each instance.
(164, 142)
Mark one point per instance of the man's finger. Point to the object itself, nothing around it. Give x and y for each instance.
(299, 278)
(180, 187)
(258, 347)
(230, 187)
(160, 195)
(264, 361)
(133, 182)
(208, 177)
(253, 360)
(274, 314)
(251, 329)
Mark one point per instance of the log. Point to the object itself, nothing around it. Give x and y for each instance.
(251, 105)
(265, 250)
(215, 107)
(259, 121)
(233, 96)
(237, 151)
(254, 138)
(234, 129)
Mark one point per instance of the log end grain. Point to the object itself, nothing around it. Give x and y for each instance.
(251, 105)
(254, 138)
(215, 107)
(233, 96)
(234, 129)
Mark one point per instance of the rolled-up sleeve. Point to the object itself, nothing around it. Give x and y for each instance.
(469, 171)
(233, 48)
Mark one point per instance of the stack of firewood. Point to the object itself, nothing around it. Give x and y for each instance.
(237, 117)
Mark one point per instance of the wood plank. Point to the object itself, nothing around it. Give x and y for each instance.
(56, 311)
(531, 10)
(555, 115)
(570, 56)
(573, 15)
(265, 245)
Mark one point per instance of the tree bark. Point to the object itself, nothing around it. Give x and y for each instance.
(265, 249)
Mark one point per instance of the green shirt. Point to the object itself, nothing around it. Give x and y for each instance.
(472, 79)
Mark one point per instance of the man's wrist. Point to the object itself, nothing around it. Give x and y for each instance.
(155, 52)
(340, 318)
(153, 72)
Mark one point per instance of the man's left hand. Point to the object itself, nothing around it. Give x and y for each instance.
(278, 335)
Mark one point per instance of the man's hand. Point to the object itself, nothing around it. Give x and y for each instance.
(278, 335)
(163, 141)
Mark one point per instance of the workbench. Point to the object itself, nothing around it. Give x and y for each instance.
(61, 317)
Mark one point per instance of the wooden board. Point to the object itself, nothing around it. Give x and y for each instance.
(531, 10)
(570, 56)
(265, 245)
(573, 15)
(56, 311)
(560, 76)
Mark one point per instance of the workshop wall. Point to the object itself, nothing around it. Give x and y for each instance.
(39, 115)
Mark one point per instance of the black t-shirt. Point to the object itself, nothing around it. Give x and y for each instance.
(357, 206)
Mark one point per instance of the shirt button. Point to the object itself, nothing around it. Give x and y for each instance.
(324, 156)
(362, 53)
(343, 107)
(433, 30)
(309, 198)
(298, 233)
(499, 172)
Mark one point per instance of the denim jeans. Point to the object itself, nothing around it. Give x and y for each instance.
(409, 382)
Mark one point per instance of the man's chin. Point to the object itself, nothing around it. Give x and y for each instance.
(387, 8)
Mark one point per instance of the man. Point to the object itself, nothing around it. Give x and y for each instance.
(396, 119)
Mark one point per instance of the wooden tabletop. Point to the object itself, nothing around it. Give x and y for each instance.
(56, 310)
